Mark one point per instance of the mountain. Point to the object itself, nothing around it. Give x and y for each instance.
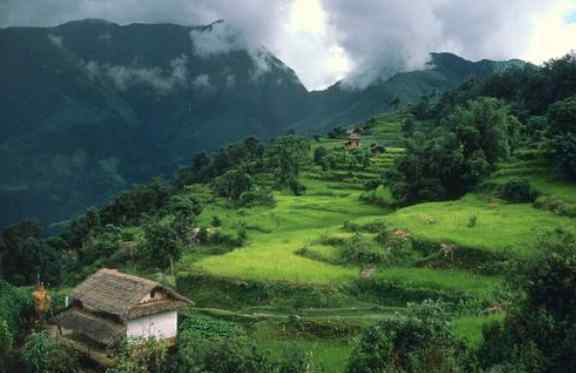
(341, 104)
(90, 107)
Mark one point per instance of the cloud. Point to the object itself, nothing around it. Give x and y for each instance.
(384, 37)
(323, 40)
(219, 38)
(58, 41)
(125, 77)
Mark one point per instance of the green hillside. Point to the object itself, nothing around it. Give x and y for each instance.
(294, 262)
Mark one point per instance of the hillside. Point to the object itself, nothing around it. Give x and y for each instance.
(303, 249)
(92, 107)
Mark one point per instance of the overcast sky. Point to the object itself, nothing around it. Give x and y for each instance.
(326, 40)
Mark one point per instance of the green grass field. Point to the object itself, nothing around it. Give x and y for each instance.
(500, 227)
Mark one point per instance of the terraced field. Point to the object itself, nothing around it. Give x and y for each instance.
(292, 263)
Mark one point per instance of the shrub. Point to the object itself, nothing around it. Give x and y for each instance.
(216, 222)
(518, 191)
(472, 221)
(359, 250)
(538, 332)
(556, 206)
(422, 339)
(142, 356)
(44, 354)
(257, 197)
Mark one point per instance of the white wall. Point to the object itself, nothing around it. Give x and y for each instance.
(160, 326)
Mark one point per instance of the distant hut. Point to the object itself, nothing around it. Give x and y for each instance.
(111, 306)
(353, 140)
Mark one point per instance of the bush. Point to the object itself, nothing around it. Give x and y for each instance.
(359, 250)
(538, 332)
(44, 354)
(556, 206)
(518, 191)
(257, 197)
(421, 341)
(15, 304)
(216, 222)
(142, 356)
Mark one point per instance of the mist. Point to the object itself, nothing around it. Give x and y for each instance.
(374, 38)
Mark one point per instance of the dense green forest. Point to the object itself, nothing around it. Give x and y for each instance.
(445, 242)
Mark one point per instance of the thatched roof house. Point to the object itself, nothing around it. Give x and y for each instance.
(110, 306)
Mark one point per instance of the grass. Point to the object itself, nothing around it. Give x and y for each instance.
(295, 222)
(469, 328)
(501, 227)
(450, 280)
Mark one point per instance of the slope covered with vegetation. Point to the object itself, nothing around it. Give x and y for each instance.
(444, 242)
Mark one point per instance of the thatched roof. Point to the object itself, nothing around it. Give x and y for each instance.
(98, 329)
(111, 292)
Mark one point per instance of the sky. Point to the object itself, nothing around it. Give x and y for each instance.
(359, 41)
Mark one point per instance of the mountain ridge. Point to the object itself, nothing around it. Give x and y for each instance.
(92, 107)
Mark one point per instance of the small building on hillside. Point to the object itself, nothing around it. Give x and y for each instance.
(110, 306)
(353, 141)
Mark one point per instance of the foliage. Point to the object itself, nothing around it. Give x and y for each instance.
(257, 197)
(453, 159)
(142, 356)
(162, 245)
(359, 250)
(518, 191)
(44, 354)
(219, 355)
(25, 257)
(15, 304)
(185, 209)
(199, 352)
(538, 332)
(421, 341)
(285, 156)
(6, 345)
(232, 184)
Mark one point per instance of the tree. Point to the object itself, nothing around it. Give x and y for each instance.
(320, 154)
(185, 209)
(486, 125)
(285, 156)
(26, 257)
(562, 118)
(232, 184)
(162, 246)
(449, 161)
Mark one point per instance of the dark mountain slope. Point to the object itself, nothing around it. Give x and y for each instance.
(89, 107)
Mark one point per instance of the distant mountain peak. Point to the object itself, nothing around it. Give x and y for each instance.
(92, 21)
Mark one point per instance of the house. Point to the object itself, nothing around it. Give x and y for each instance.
(110, 306)
(353, 141)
